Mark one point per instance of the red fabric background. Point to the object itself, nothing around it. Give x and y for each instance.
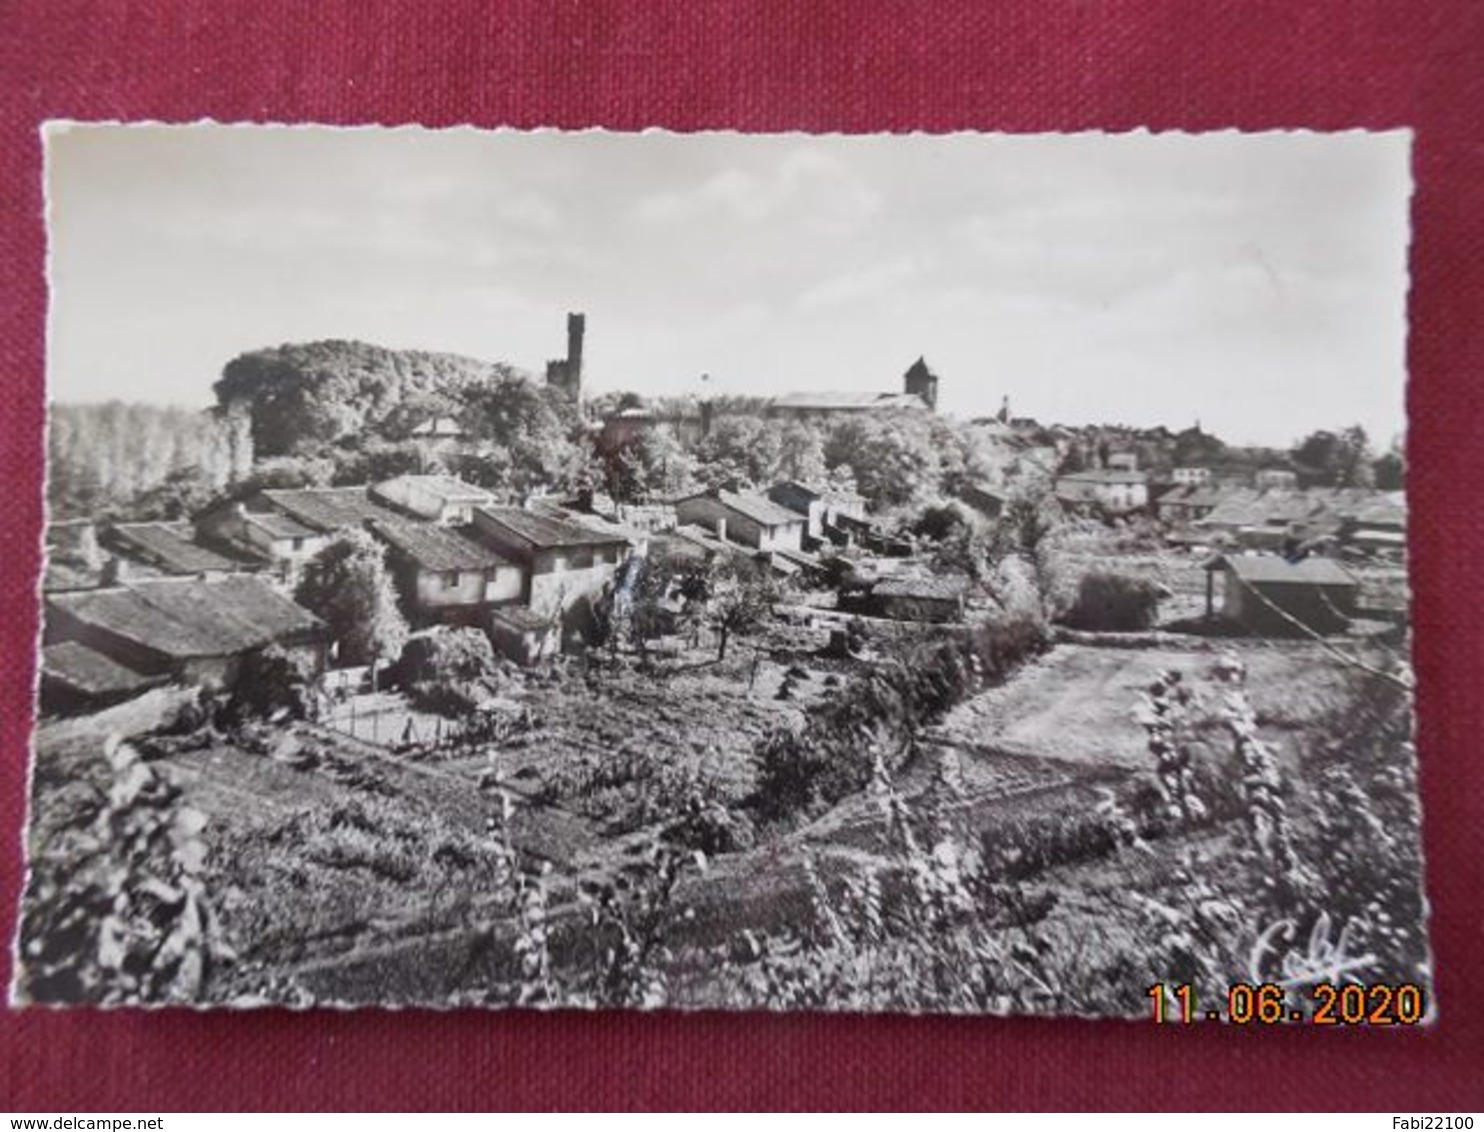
(1019, 65)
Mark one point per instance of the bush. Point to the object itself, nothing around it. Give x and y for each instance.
(117, 909)
(1114, 603)
(450, 672)
(882, 710)
(270, 682)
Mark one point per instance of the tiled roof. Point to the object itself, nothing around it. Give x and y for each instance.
(1273, 569)
(594, 523)
(445, 487)
(828, 494)
(170, 546)
(750, 505)
(1103, 476)
(758, 508)
(191, 618)
(1194, 495)
(936, 588)
(435, 547)
(89, 671)
(522, 619)
(279, 526)
(328, 508)
(546, 531)
(847, 401)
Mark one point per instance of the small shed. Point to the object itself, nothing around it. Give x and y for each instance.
(524, 636)
(938, 599)
(1271, 596)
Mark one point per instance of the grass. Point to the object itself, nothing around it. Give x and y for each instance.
(1076, 703)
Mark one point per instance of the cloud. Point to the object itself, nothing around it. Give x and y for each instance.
(815, 191)
(865, 283)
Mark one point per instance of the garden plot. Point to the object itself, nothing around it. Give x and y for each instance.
(1076, 704)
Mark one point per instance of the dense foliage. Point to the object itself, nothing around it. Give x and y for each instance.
(450, 671)
(878, 715)
(1112, 602)
(141, 461)
(118, 910)
(347, 585)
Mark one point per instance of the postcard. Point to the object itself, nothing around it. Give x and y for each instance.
(933, 573)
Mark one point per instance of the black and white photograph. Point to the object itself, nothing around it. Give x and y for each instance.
(958, 573)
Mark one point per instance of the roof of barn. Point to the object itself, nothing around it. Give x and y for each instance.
(546, 531)
(171, 545)
(328, 508)
(191, 617)
(434, 547)
(89, 671)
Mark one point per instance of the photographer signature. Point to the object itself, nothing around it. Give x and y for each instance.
(1275, 959)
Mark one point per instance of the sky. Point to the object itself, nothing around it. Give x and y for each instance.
(1256, 283)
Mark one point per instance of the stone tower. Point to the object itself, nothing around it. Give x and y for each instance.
(566, 373)
(922, 381)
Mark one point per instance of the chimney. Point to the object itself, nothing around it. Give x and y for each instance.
(721, 528)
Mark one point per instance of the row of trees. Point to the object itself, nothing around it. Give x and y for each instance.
(134, 458)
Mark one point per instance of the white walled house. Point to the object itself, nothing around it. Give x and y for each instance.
(1117, 492)
(281, 539)
(745, 518)
(439, 499)
(444, 574)
(563, 562)
(1190, 476)
(822, 508)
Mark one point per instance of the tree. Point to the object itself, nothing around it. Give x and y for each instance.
(651, 463)
(184, 492)
(739, 594)
(304, 396)
(347, 585)
(531, 435)
(1389, 470)
(896, 458)
(1332, 459)
(801, 453)
(745, 450)
(1194, 446)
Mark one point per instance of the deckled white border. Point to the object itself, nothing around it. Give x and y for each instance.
(57, 127)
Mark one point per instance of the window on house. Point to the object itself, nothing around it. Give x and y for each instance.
(298, 544)
(451, 580)
(582, 559)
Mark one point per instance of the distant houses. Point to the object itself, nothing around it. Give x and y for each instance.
(746, 518)
(1117, 491)
(830, 515)
(919, 393)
